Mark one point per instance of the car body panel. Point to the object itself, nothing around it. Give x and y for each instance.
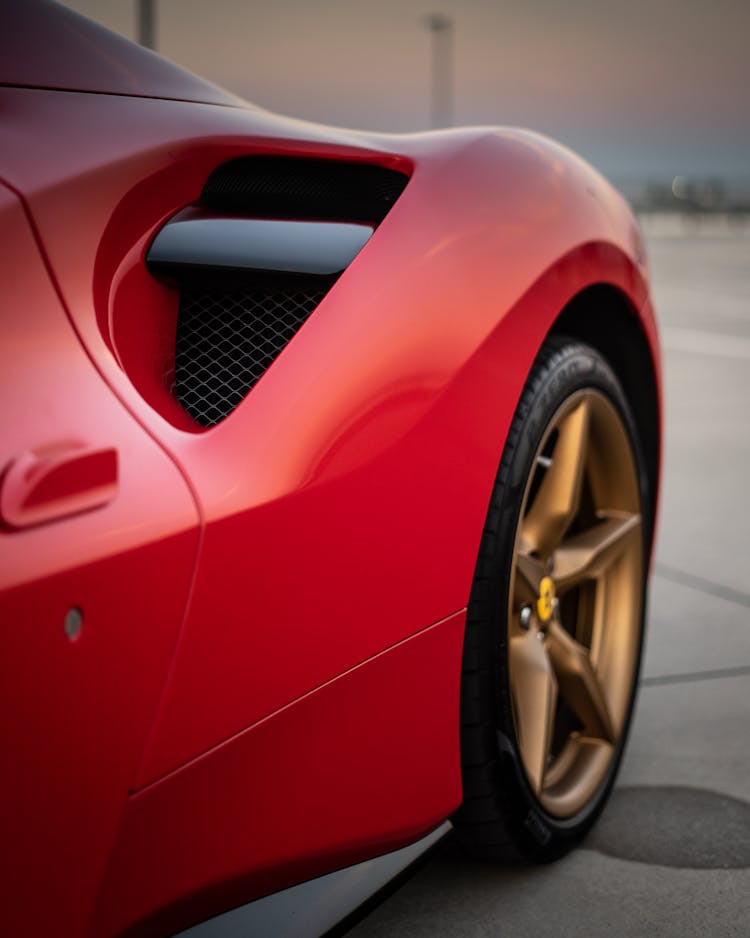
(265, 809)
(321, 540)
(47, 45)
(291, 456)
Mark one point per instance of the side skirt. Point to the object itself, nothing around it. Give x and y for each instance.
(311, 909)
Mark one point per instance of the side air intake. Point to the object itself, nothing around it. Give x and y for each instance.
(254, 259)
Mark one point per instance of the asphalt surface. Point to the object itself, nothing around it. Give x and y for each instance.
(671, 854)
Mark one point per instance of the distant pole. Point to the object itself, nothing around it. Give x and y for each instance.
(147, 23)
(441, 112)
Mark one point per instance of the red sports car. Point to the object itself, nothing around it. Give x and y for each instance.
(329, 470)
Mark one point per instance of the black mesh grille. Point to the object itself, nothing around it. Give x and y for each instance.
(225, 341)
(293, 187)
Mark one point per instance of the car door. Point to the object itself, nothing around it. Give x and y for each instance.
(98, 540)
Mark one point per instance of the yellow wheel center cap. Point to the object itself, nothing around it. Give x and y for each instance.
(545, 602)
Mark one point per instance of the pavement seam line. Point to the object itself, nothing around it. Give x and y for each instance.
(701, 584)
(692, 677)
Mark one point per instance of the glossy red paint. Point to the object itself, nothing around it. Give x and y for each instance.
(266, 810)
(87, 628)
(259, 598)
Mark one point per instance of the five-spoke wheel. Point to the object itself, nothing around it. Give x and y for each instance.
(555, 618)
(574, 612)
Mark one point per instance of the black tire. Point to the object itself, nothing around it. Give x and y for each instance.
(501, 818)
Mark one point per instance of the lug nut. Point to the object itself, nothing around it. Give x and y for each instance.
(525, 618)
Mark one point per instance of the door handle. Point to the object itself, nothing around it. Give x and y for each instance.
(55, 482)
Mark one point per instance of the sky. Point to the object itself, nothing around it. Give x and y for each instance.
(642, 88)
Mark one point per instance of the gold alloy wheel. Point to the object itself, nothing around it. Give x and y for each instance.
(574, 615)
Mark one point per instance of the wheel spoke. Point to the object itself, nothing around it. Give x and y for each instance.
(559, 494)
(529, 574)
(578, 683)
(534, 690)
(588, 555)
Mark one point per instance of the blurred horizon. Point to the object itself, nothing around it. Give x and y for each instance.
(646, 91)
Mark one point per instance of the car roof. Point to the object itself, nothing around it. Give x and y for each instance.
(46, 45)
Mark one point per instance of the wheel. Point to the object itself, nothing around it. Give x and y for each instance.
(555, 618)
